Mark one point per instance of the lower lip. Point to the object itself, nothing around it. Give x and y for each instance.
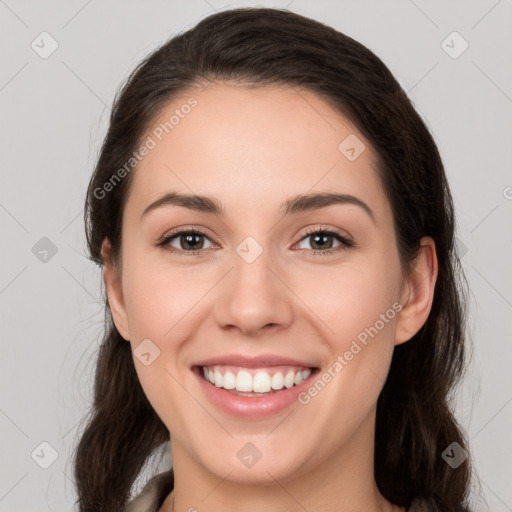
(251, 406)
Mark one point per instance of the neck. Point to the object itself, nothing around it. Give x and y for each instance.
(343, 481)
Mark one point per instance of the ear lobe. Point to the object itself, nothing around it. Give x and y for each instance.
(114, 289)
(417, 292)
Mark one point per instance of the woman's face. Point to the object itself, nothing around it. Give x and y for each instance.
(259, 291)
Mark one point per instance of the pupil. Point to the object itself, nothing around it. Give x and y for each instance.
(316, 237)
(189, 240)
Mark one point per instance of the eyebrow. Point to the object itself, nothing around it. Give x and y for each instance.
(295, 204)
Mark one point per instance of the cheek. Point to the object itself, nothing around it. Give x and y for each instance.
(351, 299)
(159, 304)
(159, 296)
(358, 310)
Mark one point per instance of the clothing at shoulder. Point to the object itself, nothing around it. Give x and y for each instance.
(153, 493)
(419, 506)
(158, 488)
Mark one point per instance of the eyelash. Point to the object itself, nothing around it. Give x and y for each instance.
(345, 243)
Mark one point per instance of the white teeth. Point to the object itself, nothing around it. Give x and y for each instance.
(289, 379)
(301, 376)
(229, 380)
(262, 382)
(277, 381)
(218, 378)
(243, 381)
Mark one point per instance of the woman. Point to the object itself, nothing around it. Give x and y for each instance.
(237, 153)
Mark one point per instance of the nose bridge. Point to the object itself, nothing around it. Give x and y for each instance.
(253, 297)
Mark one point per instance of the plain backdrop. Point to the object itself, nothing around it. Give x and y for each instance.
(54, 115)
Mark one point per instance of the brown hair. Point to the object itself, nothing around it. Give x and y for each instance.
(261, 46)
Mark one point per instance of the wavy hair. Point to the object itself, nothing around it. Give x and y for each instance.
(258, 47)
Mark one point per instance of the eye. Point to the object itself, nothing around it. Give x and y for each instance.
(190, 241)
(323, 240)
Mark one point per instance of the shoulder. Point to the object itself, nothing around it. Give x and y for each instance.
(421, 505)
(159, 486)
(153, 493)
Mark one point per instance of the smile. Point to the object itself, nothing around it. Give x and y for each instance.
(253, 393)
(255, 382)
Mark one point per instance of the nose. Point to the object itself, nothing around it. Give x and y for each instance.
(253, 296)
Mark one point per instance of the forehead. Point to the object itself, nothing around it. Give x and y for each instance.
(253, 147)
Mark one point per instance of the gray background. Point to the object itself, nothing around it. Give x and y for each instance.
(54, 115)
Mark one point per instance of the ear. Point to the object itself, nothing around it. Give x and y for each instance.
(113, 286)
(417, 292)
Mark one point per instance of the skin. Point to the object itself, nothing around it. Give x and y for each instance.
(253, 149)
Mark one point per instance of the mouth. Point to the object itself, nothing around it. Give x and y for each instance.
(253, 393)
(254, 382)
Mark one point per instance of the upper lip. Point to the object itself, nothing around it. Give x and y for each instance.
(262, 361)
